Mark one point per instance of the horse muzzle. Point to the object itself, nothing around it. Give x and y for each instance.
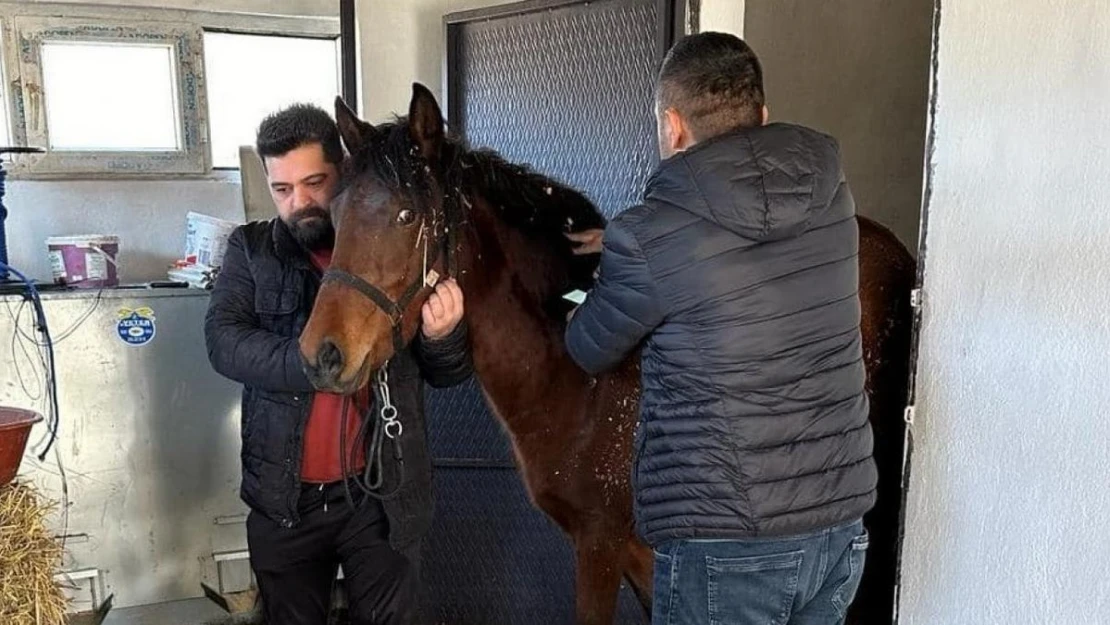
(326, 373)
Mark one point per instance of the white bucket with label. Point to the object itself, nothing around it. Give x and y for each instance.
(84, 261)
(206, 239)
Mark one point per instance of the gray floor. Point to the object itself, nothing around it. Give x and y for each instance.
(188, 612)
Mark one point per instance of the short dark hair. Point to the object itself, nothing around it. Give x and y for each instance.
(715, 81)
(295, 126)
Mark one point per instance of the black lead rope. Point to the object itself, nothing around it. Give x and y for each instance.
(385, 426)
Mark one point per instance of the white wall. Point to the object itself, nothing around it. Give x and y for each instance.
(724, 16)
(1008, 512)
(402, 41)
(148, 216)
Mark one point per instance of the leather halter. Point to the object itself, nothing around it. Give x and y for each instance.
(395, 310)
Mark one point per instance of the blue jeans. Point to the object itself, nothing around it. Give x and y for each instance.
(796, 580)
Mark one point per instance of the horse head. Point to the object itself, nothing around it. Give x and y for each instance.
(416, 206)
(392, 244)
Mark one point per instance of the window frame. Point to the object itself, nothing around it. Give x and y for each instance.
(6, 109)
(190, 99)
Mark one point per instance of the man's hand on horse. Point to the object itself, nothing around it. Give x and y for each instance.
(589, 241)
(443, 311)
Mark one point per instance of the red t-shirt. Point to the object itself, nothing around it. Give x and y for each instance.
(321, 462)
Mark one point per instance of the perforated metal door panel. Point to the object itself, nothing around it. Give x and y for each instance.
(569, 91)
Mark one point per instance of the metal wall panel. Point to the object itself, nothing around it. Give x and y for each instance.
(461, 430)
(149, 440)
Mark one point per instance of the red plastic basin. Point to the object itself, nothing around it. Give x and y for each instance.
(15, 428)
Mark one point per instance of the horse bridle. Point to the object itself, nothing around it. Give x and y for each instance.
(389, 425)
(428, 278)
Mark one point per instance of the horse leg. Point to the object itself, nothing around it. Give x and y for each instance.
(598, 554)
(640, 569)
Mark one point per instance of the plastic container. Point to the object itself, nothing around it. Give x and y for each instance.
(84, 261)
(206, 239)
(15, 428)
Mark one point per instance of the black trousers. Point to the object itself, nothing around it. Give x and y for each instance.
(296, 567)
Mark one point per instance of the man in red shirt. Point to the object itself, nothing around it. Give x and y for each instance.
(304, 454)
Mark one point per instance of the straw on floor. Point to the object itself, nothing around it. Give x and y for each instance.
(29, 558)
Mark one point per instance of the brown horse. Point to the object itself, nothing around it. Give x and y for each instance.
(418, 203)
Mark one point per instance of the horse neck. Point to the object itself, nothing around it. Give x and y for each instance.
(519, 354)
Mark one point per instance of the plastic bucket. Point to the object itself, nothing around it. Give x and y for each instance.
(206, 239)
(84, 261)
(15, 428)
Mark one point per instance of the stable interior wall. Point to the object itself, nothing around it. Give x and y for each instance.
(724, 16)
(402, 41)
(858, 70)
(1007, 506)
(147, 215)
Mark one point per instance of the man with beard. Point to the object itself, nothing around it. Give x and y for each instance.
(305, 455)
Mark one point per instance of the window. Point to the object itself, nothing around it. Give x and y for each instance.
(102, 96)
(111, 98)
(250, 76)
(113, 91)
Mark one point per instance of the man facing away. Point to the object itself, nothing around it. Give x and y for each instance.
(302, 523)
(738, 276)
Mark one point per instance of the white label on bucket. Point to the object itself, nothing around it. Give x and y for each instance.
(96, 265)
(57, 264)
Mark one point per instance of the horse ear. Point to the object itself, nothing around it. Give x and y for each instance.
(425, 122)
(355, 132)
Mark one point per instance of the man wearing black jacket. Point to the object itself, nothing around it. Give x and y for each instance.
(302, 451)
(738, 275)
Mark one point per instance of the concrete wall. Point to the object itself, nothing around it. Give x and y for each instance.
(857, 69)
(1008, 509)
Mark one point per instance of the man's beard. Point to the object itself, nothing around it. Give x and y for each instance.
(312, 228)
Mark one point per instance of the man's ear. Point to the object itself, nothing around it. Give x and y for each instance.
(679, 138)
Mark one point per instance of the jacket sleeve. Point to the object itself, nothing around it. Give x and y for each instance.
(447, 361)
(237, 347)
(622, 308)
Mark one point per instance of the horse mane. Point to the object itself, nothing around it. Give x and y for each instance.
(538, 206)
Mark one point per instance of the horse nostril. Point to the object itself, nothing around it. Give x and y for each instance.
(329, 360)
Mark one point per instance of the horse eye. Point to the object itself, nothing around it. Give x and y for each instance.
(406, 217)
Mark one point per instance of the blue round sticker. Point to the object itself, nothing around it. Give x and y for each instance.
(136, 327)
